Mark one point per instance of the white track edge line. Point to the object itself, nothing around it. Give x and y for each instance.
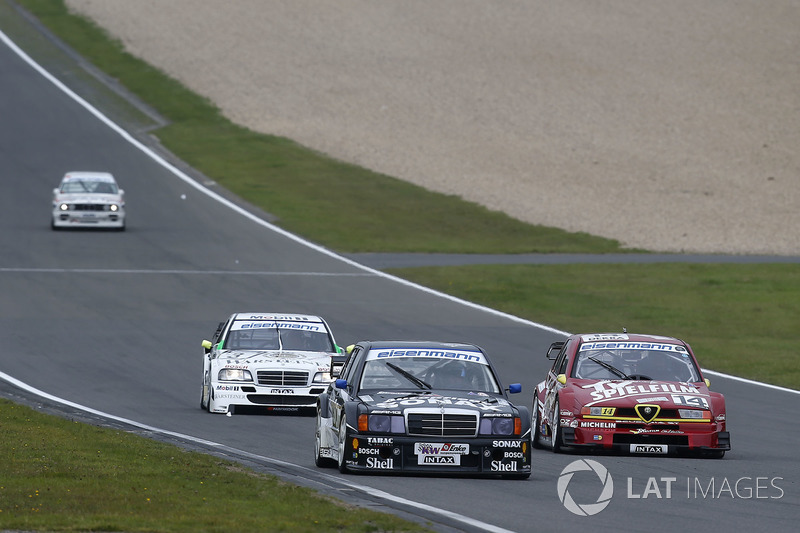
(363, 488)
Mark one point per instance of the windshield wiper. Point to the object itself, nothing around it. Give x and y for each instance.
(409, 376)
(614, 370)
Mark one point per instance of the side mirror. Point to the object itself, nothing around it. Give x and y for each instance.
(350, 348)
(514, 388)
(340, 383)
(562, 378)
(206, 346)
(121, 192)
(337, 363)
(552, 352)
(55, 191)
(708, 382)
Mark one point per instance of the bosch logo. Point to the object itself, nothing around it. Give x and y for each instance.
(586, 509)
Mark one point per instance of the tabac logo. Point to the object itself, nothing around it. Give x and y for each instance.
(647, 412)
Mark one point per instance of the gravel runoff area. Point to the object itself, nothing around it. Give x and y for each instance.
(669, 126)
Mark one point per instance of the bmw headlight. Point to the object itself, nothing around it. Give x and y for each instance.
(113, 207)
(501, 426)
(322, 377)
(63, 207)
(381, 423)
(235, 374)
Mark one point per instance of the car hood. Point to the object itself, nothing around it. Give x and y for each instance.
(629, 393)
(255, 359)
(399, 401)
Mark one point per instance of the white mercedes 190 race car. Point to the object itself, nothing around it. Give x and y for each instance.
(89, 200)
(261, 362)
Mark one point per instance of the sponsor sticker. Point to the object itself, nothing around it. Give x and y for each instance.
(599, 425)
(649, 448)
(690, 400)
(506, 444)
(653, 399)
(425, 448)
(380, 441)
(380, 464)
(500, 466)
(449, 460)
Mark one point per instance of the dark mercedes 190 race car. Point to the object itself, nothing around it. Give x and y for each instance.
(639, 394)
(421, 407)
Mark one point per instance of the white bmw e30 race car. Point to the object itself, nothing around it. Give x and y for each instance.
(88, 200)
(261, 362)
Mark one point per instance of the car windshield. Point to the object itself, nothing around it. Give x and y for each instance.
(88, 187)
(277, 339)
(660, 365)
(425, 373)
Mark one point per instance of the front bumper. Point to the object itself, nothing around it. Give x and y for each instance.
(425, 455)
(226, 397)
(96, 219)
(647, 440)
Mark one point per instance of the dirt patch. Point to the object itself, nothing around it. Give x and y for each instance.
(669, 126)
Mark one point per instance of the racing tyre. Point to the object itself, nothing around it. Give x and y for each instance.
(322, 462)
(205, 398)
(555, 430)
(535, 443)
(344, 434)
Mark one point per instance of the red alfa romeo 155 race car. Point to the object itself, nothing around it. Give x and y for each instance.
(640, 394)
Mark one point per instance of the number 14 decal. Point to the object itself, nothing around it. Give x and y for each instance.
(690, 401)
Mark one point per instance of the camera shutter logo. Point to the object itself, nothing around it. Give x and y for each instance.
(586, 509)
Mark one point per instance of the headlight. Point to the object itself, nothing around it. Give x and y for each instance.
(64, 207)
(501, 426)
(381, 423)
(322, 377)
(234, 374)
(690, 413)
(113, 207)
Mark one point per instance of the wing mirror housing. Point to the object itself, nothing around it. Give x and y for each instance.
(206, 345)
(337, 363)
(340, 383)
(562, 378)
(552, 352)
(515, 388)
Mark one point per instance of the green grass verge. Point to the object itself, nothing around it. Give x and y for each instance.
(60, 475)
(740, 319)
